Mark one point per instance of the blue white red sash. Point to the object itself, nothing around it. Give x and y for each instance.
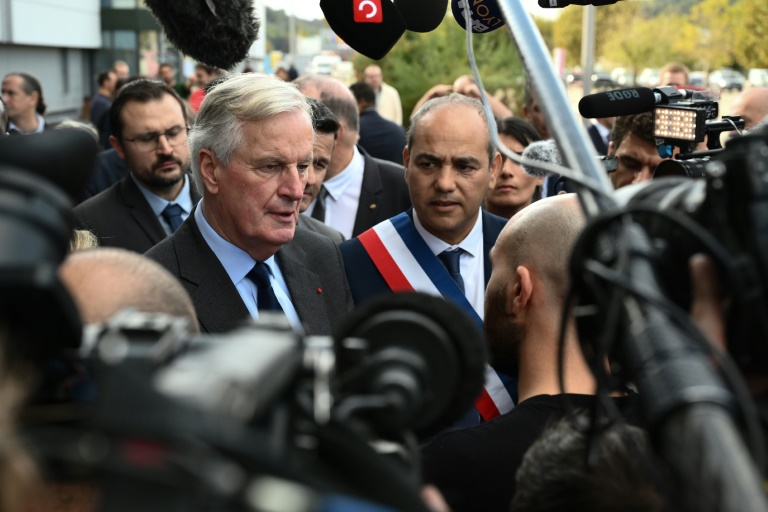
(406, 263)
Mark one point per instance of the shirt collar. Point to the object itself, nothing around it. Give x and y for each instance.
(339, 183)
(602, 130)
(40, 125)
(472, 243)
(158, 204)
(236, 262)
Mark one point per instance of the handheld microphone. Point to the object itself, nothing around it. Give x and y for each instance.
(543, 151)
(370, 27)
(422, 15)
(218, 33)
(556, 4)
(485, 15)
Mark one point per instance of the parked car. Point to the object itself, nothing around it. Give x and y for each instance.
(622, 77)
(600, 79)
(697, 79)
(727, 79)
(649, 77)
(757, 77)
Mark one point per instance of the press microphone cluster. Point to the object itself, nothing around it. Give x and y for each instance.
(218, 33)
(372, 27)
(543, 151)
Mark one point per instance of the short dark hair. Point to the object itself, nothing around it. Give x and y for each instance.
(363, 92)
(640, 125)
(31, 84)
(104, 76)
(323, 120)
(555, 475)
(519, 129)
(165, 65)
(208, 69)
(141, 91)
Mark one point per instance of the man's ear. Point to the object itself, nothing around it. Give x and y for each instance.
(118, 147)
(496, 164)
(406, 160)
(210, 170)
(521, 291)
(610, 148)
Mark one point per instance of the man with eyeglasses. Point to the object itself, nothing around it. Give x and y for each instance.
(149, 131)
(634, 146)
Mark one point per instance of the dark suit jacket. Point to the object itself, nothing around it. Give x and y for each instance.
(380, 137)
(597, 140)
(318, 227)
(311, 265)
(110, 169)
(384, 193)
(366, 282)
(121, 217)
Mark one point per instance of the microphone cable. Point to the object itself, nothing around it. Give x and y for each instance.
(575, 176)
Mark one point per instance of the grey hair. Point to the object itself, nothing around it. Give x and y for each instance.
(447, 101)
(232, 102)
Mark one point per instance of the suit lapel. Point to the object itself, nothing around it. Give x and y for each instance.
(305, 288)
(141, 212)
(367, 208)
(217, 302)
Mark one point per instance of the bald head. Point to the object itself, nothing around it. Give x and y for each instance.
(752, 105)
(104, 281)
(334, 95)
(541, 237)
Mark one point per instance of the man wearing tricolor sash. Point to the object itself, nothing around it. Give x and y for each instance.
(441, 245)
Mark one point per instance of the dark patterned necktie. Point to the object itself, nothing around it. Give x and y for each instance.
(265, 295)
(450, 260)
(172, 215)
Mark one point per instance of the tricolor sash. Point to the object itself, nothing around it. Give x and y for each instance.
(407, 264)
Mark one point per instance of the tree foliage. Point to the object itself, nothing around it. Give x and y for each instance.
(420, 61)
(704, 34)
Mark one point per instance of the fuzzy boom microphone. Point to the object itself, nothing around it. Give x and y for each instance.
(218, 33)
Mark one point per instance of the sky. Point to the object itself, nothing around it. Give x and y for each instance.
(310, 9)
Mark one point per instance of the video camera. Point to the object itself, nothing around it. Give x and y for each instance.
(261, 418)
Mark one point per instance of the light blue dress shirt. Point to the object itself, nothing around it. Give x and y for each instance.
(237, 263)
(158, 204)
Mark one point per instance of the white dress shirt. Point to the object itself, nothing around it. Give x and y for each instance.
(343, 196)
(237, 263)
(471, 262)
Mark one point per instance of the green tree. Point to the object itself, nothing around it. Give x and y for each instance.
(750, 21)
(715, 37)
(420, 61)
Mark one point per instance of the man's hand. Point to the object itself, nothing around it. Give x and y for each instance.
(707, 303)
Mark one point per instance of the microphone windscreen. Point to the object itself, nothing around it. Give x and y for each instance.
(370, 27)
(623, 102)
(431, 330)
(221, 39)
(543, 151)
(486, 14)
(422, 15)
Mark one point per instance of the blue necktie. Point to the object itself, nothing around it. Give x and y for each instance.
(172, 215)
(265, 295)
(450, 260)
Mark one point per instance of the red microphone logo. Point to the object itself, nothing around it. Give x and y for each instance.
(368, 11)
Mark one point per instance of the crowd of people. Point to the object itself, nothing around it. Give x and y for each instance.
(228, 196)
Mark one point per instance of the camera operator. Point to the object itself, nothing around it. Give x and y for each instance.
(474, 467)
(633, 143)
(752, 106)
(568, 467)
